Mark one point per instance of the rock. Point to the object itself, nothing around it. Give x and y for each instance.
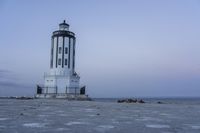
(24, 98)
(120, 101)
(21, 114)
(159, 102)
(130, 101)
(141, 101)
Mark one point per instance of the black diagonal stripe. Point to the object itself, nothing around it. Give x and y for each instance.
(63, 52)
(57, 53)
(73, 53)
(51, 60)
(69, 54)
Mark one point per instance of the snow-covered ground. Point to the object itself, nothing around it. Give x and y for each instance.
(50, 116)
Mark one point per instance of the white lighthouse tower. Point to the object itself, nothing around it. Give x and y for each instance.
(62, 81)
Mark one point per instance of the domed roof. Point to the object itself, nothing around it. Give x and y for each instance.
(64, 23)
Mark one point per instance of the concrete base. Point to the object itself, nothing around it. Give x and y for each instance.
(63, 96)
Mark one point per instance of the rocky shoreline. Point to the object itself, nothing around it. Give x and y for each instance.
(127, 100)
(31, 98)
(131, 101)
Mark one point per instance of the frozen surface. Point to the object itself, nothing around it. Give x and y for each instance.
(50, 116)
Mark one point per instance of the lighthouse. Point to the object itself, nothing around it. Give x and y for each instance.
(62, 81)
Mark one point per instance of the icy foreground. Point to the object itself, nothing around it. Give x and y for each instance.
(50, 116)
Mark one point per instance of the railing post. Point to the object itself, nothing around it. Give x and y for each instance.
(47, 90)
(75, 91)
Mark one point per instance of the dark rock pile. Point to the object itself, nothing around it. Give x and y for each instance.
(130, 101)
(24, 98)
(159, 102)
(16, 97)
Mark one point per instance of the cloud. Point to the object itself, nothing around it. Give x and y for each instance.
(11, 85)
(4, 73)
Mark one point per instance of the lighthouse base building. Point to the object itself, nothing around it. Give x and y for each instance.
(62, 81)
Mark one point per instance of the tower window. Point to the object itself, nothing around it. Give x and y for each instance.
(66, 50)
(59, 61)
(60, 49)
(52, 52)
(65, 61)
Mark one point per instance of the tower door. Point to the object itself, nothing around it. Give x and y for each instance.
(39, 89)
(61, 84)
(82, 90)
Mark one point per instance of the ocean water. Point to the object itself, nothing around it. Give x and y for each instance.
(175, 115)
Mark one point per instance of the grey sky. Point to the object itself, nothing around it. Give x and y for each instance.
(124, 47)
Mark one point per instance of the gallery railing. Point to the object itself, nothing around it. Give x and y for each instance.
(54, 90)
